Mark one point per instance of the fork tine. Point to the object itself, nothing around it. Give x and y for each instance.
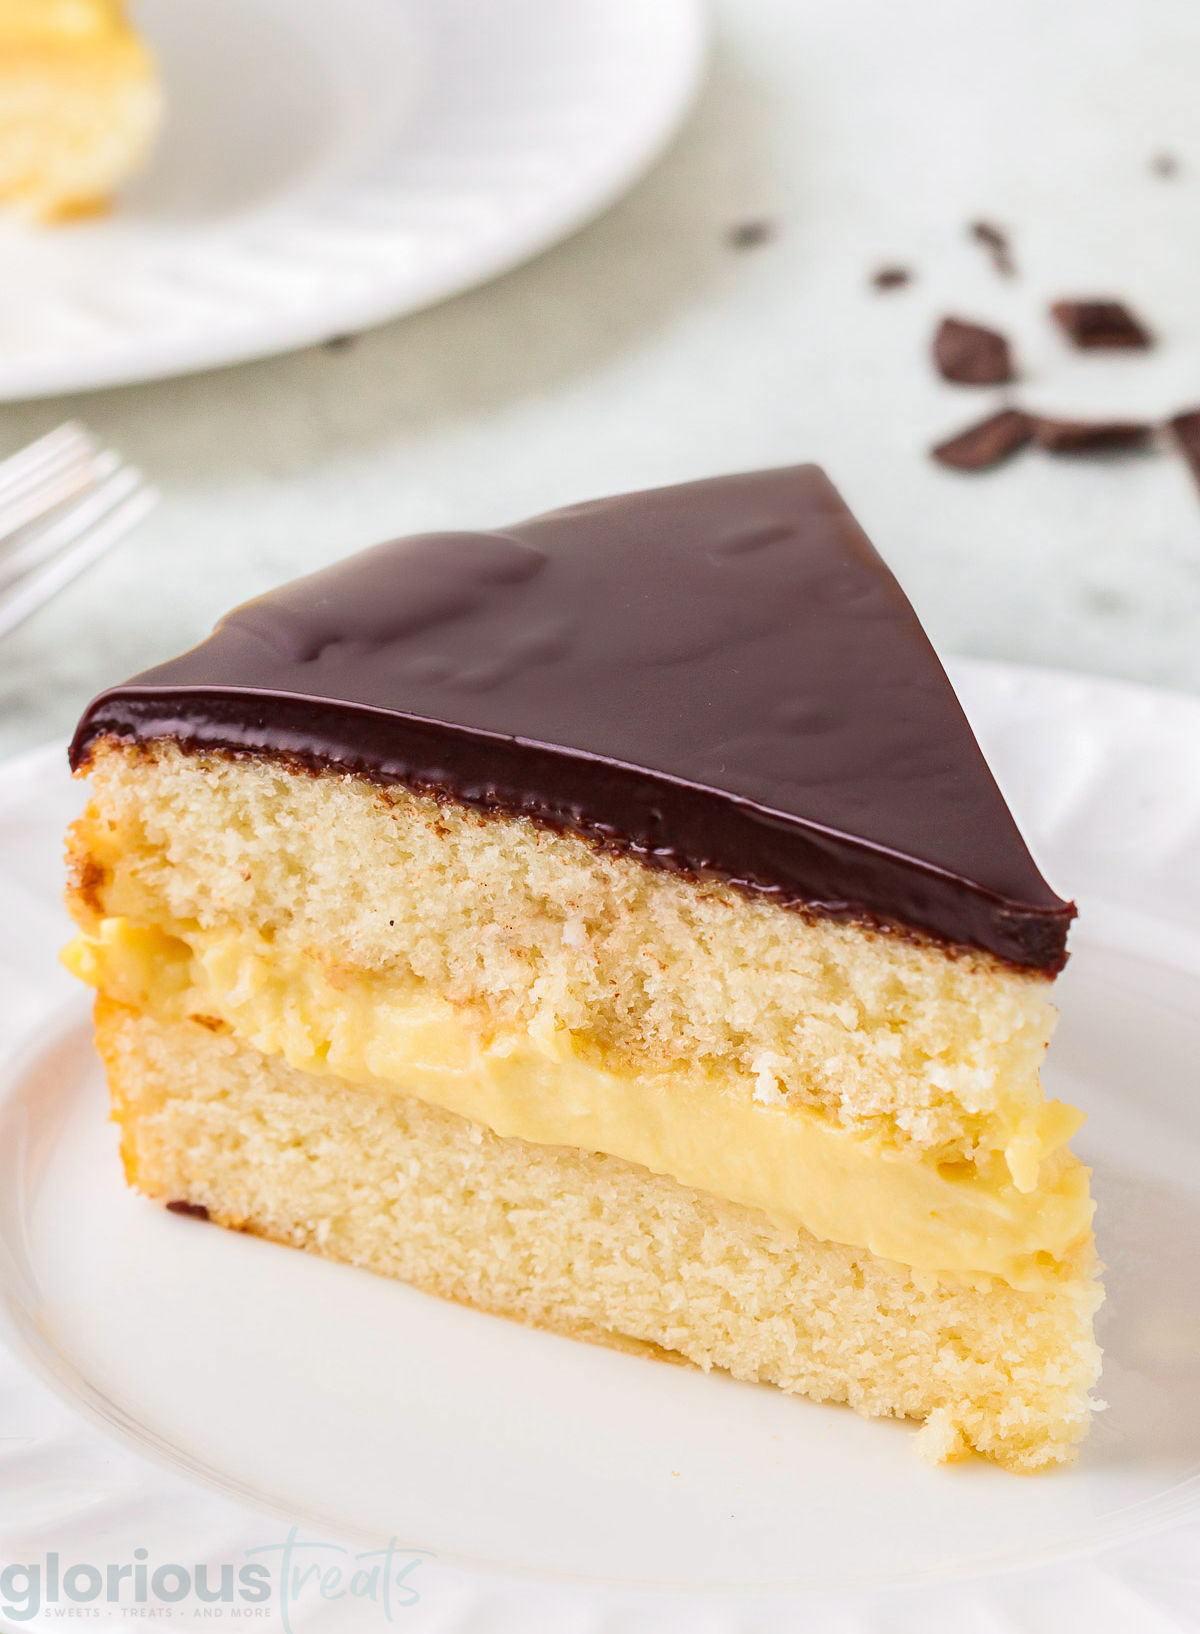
(47, 490)
(44, 582)
(67, 444)
(118, 482)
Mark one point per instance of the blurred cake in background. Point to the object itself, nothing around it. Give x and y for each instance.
(80, 102)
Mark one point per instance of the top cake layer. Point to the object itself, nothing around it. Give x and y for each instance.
(721, 678)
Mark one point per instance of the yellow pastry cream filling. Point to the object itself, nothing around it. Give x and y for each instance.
(704, 1128)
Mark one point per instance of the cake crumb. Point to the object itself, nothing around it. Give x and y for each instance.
(574, 933)
(767, 1091)
(940, 1440)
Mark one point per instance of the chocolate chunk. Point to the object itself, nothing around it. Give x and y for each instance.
(720, 679)
(1097, 325)
(1091, 437)
(194, 1211)
(891, 278)
(748, 235)
(971, 355)
(986, 443)
(1185, 428)
(995, 241)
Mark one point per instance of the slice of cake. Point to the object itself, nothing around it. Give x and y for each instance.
(609, 922)
(79, 104)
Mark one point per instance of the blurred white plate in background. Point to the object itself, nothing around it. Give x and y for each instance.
(170, 1386)
(325, 167)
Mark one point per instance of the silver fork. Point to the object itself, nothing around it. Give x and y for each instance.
(64, 501)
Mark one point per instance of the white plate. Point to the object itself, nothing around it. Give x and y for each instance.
(172, 1386)
(326, 166)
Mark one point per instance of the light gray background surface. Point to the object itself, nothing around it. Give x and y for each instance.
(647, 350)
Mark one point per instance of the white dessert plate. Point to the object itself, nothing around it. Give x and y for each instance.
(170, 1387)
(325, 167)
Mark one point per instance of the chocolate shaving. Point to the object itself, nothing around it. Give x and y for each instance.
(1185, 428)
(748, 235)
(987, 443)
(1097, 325)
(971, 355)
(1091, 437)
(194, 1211)
(995, 241)
(891, 278)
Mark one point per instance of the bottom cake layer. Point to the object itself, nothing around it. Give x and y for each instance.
(593, 1246)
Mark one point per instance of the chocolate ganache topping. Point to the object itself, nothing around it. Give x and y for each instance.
(721, 678)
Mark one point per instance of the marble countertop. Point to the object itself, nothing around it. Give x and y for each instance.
(648, 348)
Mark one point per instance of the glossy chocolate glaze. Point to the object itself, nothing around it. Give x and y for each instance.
(721, 678)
